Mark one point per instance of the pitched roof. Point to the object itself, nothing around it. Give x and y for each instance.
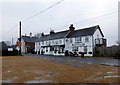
(56, 35)
(29, 39)
(86, 31)
(76, 33)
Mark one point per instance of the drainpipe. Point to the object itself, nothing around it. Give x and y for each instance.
(93, 44)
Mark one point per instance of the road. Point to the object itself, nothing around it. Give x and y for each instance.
(93, 60)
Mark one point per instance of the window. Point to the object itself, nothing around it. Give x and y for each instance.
(42, 42)
(86, 39)
(53, 42)
(51, 48)
(70, 40)
(78, 39)
(56, 42)
(39, 43)
(85, 48)
(46, 42)
(46, 49)
(49, 42)
(60, 41)
(75, 49)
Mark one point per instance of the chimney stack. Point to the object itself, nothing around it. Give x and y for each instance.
(30, 34)
(71, 28)
(52, 31)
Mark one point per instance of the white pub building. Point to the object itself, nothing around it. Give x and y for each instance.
(71, 41)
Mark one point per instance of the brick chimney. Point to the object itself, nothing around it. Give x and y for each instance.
(52, 31)
(30, 34)
(71, 30)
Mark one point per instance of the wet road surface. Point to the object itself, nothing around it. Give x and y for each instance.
(93, 60)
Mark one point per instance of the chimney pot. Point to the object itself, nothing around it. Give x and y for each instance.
(30, 34)
(71, 27)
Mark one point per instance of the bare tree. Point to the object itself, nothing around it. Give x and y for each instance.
(38, 35)
(118, 43)
(8, 43)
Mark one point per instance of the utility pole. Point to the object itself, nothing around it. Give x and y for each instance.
(20, 37)
(12, 40)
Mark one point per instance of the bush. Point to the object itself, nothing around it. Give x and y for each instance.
(117, 55)
(59, 52)
(90, 52)
(75, 53)
(66, 53)
(42, 52)
(71, 54)
(55, 51)
(5, 52)
(85, 52)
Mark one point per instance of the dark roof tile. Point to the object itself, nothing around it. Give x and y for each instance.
(76, 33)
(29, 39)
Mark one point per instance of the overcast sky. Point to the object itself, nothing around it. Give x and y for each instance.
(82, 13)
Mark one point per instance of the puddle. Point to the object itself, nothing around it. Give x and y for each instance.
(89, 63)
(8, 71)
(33, 71)
(69, 60)
(37, 78)
(106, 72)
(38, 81)
(5, 81)
(109, 64)
(107, 77)
(9, 80)
(50, 74)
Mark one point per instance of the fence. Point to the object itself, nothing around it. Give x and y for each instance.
(112, 51)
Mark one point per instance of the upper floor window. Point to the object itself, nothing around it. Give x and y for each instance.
(49, 42)
(78, 39)
(86, 39)
(46, 42)
(53, 42)
(42, 42)
(60, 41)
(70, 40)
(56, 42)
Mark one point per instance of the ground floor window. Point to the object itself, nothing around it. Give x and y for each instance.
(51, 48)
(46, 49)
(74, 48)
(85, 49)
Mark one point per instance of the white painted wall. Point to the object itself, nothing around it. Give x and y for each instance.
(97, 34)
(22, 46)
(70, 43)
(80, 45)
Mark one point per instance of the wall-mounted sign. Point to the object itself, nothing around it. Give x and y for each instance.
(10, 49)
(78, 44)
